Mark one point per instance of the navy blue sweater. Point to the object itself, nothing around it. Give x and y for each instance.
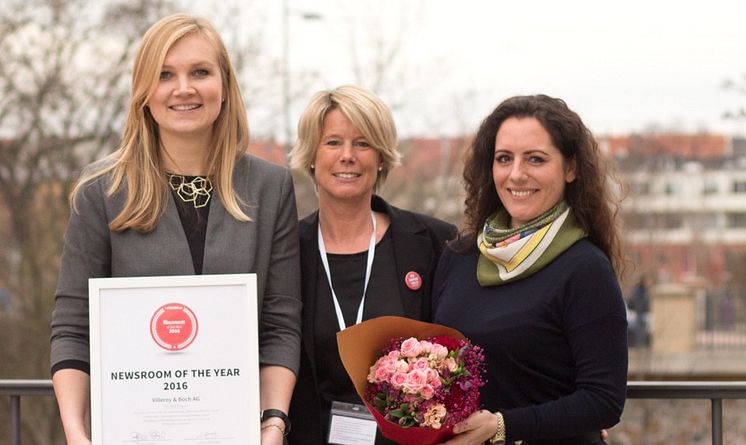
(555, 342)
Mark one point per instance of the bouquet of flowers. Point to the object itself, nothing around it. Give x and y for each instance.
(425, 378)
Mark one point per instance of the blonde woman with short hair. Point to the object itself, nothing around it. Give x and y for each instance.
(358, 252)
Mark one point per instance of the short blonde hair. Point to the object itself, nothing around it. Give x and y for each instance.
(370, 116)
(136, 165)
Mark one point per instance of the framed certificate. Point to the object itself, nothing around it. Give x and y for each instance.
(174, 360)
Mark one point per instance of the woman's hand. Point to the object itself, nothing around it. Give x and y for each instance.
(72, 391)
(475, 430)
(272, 434)
(81, 440)
(275, 389)
(481, 426)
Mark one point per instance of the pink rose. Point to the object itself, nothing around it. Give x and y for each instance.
(426, 346)
(373, 369)
(388, 364)
(439, 351)
(427, 392)
(398, 380)
(432, 376)
(421, 364)
(416, 379)
(411, 347)
(381, 375)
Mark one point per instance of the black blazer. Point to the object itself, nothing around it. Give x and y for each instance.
(418, 241)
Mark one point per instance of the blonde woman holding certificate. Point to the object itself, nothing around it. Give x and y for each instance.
(180, 196)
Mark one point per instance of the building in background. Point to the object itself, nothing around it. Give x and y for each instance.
(685, 212)
(685, 222)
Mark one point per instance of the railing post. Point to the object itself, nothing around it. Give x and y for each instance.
(717, 421)
(15, 420)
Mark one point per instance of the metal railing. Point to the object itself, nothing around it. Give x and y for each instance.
(716, 392)
(17, 389)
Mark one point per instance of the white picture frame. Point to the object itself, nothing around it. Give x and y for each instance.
(174, 360)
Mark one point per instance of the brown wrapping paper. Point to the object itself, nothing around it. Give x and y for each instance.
(362, 344)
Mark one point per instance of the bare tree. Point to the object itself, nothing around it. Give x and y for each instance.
(737, 86)
(259, 71)
(65, 89)
(65, 86)
(378, 35)
(429, 181)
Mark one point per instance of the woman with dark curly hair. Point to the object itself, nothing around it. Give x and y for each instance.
(533, 278)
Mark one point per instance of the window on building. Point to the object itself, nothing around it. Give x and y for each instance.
(653, 221)
(736, 219)
(660, 257)
(711, 188)
(739, 186)
(671, 221)
(702, 221)
(671, 188)
(639, 188)
(638, 221)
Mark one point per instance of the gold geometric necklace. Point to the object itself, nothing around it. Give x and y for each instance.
(197, 191)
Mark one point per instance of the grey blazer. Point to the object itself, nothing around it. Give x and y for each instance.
(267, 245)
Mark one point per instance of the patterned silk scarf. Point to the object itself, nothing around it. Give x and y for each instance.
(513, 254)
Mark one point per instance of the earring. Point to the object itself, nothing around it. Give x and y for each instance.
(313, 167)
(380, 169)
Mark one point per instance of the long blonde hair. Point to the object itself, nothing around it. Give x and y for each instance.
(137, 162)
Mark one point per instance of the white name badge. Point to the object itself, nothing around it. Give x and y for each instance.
(351, 424)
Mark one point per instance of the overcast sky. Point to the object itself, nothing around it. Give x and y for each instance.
(625, 66)
(621, 64)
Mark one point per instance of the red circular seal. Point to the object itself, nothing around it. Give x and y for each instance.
(413, 280)
(173, 326)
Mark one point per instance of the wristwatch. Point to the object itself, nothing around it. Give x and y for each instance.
(268, 413)
(499, 437)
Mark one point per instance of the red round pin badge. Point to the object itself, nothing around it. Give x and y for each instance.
(413, 280)
(173, 326)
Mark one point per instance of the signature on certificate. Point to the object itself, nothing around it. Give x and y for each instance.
(210, 437)
(152, 436)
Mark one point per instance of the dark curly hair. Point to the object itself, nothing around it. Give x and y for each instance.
(591, 197)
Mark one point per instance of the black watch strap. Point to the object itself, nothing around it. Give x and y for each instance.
(267, 413)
